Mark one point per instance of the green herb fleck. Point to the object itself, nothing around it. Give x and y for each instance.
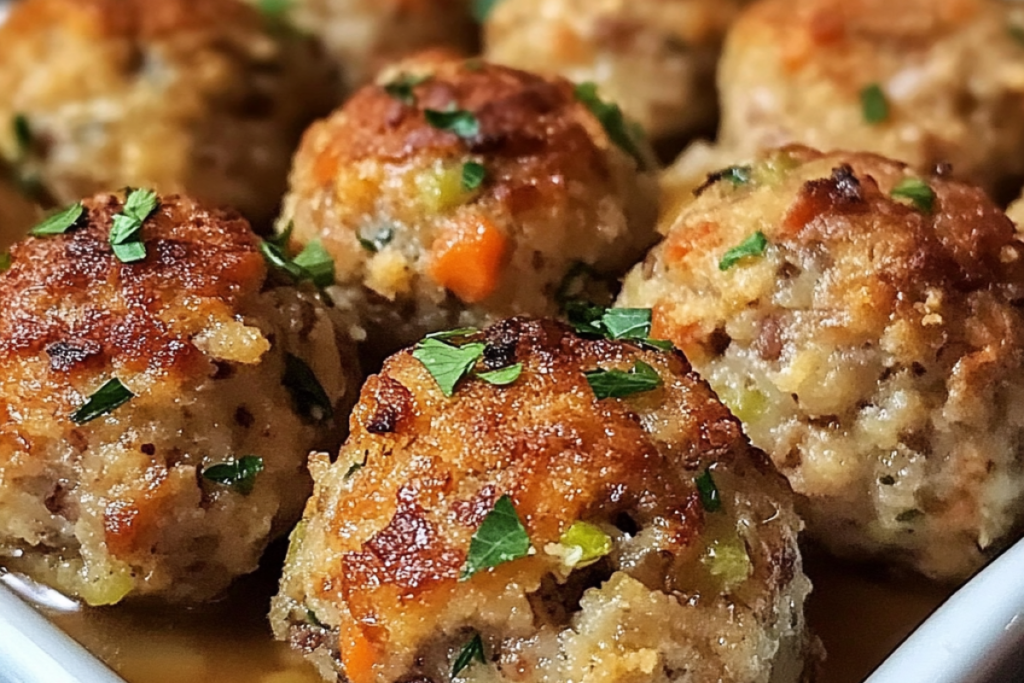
(585, 317)
(356, 466)
(126, 231)
(105, 400)
(316, 263)
(60, 222)
(917, 191)
(453, 334)
(874, 104)
(462, 123)
(312, 619)
(752, 246)
(627, 323)
(307, 393)
(22, 134)
(275, 8)
(501, 538)
(471, 651)
(402, 87)
(483, 8)
(5, 261)
(502, 377)
(473, 175)
(380, 239)
(737, 175)
(573, 285)
(447, 364)
(710, 498)
(911, 515)
(592, 543)
(612, 120)
(238, 474)
(619, 384)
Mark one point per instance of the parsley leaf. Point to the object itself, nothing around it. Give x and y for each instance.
(585, 317)
(501, 538)
(60, 222)
(874, 104)
(590, 540)
(307, 393)
(483, 8)
(126, 231)
(612, 120)
(710, 498)
(238, 474)
(462, 123)
(108, 397)
(274, 8)
(356, 466)
(619, 384)
(451, 334)
(627, 323)
(917, 191)
(473, 650)
(22, 134)
(752, 246)
(502, 377)
(473, 175)
(402, 87)
(380, 239)
(447, 364)
(737, 175)
(317, 265)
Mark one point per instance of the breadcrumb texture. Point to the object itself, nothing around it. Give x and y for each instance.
(118, 506)
(371, 588)
(873, 349)
(951, 70)
(656, 59)
(207, 98)
(364, 36)
(417, 249)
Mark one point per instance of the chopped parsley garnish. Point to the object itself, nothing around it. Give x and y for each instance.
(750, 247)
(312, 619)
(619, 384)
(5, 261)
(447, 364)
(313, 263)
(307, 393)
(1016, 32)
(574, 283)
(737, 175)
(275, 8)
(501, 538)
(316, 263)
(502, 377)
(471, 651)
(105, 400)
(22, 134)
(59, 223)
(473, 175)
(402, 87)
(462, 123)
(917, 191)
(874, 104)
(126, 232)
(380, 239)
(909, 516)
(452, 334)
(356, 466)
(483, 8)
(627, 323)
(238, 474)
(710, 498)
(612, 120)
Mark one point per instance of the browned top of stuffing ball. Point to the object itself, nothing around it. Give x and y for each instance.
(400, 527)
(134, 19)
(69, 297)
(522, 117)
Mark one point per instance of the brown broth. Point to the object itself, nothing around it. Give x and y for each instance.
(860, 616)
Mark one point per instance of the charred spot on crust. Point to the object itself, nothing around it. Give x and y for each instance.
(65, 355)
(393, 404)
(500, 351)
(148, 449)
(244, 417)
(384, 419)
(841, 192)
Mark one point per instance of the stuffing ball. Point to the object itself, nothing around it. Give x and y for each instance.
(922, 81)
(656, 58)
(156, 415)
(204, 97)
(863, 320)
(452, 193)
(538, 531)
(364, 36)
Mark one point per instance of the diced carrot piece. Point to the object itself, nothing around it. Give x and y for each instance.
(357, 654)
(467, 258)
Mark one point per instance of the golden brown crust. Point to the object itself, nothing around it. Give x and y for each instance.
(70, 297)
(140, 20)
